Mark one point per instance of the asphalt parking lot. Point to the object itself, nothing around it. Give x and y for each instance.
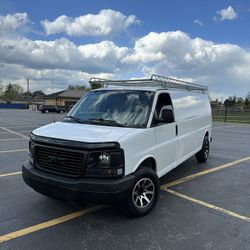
(201, 206)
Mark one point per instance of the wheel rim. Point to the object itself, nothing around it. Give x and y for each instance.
(143, 193)
(206, 151)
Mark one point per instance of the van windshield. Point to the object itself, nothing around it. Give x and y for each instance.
(124, 108)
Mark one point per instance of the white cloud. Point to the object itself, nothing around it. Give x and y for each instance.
(12, 22)
(153, 47)
(198, 22)
(223, 67)
(106, 22)
(227, 14)
(62, 54)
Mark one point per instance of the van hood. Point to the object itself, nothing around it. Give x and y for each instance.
(82, 132)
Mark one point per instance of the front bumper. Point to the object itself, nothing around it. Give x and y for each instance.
(91, 190)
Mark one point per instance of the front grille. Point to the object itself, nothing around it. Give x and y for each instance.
(64, 162)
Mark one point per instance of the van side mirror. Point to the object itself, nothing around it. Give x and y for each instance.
(167, 116)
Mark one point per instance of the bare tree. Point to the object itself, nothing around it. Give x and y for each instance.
(12, 91)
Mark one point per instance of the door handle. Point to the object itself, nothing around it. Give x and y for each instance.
(176, 129)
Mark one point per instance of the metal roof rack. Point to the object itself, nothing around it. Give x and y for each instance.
(154, 81)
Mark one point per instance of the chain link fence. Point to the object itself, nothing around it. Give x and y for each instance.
(231, 114)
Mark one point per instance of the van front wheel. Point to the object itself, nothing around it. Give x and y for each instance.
(144, 193)
(202, 155)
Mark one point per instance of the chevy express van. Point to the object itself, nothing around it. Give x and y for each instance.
(118, 140)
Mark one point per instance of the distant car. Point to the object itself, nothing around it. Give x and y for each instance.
(57, 109)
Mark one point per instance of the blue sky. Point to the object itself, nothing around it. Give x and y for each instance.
(158, 16)
(202, 41)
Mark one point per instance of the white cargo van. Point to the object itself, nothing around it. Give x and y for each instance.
(118, 140)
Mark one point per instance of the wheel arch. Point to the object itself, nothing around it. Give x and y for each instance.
(207, 133)
(147, 161)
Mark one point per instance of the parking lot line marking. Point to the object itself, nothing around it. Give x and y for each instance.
(24, 131)
(211, 170)
(14, 139)
(13, 132)
(208, 205)
(50, 223)
(14, 150)
(10, 174)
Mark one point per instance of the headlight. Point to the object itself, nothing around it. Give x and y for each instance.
(104, 159)
(105, 164)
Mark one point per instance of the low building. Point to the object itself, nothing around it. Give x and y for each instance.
(66, 98)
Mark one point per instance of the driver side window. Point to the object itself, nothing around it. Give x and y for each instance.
(163, 107)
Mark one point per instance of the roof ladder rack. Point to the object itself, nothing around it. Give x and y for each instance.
(154, 81)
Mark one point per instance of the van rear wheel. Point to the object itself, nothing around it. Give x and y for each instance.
(144, 193)
(203, 154)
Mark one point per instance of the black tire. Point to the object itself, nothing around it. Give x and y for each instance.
(146, 187)
(203, 154)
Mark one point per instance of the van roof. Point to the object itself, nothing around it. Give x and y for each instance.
(154, 83)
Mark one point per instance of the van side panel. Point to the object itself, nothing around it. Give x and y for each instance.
(138, 146)
(193, 116)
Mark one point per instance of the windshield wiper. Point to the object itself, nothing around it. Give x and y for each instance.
(106, 122)
(74, 118)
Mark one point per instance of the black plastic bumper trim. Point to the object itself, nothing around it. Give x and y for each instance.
(93, 190)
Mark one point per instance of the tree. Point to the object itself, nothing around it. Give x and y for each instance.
(227, 103)
(1, 90)
(95, 85)
(246, 102)
(230, 102)
(12, 91)
(240, 100)
(233, 100)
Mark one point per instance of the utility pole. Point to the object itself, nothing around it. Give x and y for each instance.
(52, 83)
